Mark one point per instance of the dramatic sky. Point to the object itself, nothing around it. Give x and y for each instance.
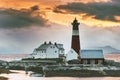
(25, 24)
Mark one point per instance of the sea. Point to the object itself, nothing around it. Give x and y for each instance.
(20, 75)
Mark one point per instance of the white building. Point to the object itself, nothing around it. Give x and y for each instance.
(48, 50)
(71, 55)
(87, 56)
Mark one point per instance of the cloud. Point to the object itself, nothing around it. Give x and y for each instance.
(34, 8)
(101, 10)
(24, 40)
(115, 1)
(10, 18)
(94, 37)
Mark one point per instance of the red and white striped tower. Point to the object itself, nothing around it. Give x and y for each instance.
(75, 44)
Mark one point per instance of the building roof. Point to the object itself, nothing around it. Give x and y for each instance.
(46, 45)
(59, 46)
(87, 54)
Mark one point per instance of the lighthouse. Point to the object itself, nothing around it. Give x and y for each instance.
(83, 56)
(75, 44)
(74, 52)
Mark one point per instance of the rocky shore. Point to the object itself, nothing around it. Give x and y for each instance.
(4, 71)
(3, 78)
(81, 71)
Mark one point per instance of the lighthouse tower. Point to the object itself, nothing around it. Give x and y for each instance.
(75, 44)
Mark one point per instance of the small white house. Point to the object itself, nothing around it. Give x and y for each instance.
(48, 50)
(72, 54)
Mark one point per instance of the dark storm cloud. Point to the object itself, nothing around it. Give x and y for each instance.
(34, 8)
(10, 18)
(57, 11)
(102, 11)
(116, 2)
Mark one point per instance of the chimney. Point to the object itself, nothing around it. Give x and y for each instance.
(50, 42)
(45, 42)
(55, 43)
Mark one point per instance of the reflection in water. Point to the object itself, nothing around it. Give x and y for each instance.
(20, 75)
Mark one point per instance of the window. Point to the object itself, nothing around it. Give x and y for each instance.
(92, 61)
(84, 61)
(45, 51)
(61, 51)
(100, 61)
(55, 51)
(71, 51)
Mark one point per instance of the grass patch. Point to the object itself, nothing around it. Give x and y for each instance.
(113, 73)
(4, 71)
(74, 73)
(3, 78)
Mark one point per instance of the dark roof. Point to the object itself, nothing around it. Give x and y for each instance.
(45, 46)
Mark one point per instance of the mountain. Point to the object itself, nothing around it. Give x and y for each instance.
(110, 50)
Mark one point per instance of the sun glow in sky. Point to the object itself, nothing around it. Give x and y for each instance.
(29, 23)
(47, 7)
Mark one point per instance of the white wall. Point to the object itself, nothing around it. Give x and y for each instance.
(71, 55)
(52, 52)
(39, 54)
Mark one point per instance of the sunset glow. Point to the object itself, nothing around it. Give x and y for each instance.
(31, 22)
(46, 8)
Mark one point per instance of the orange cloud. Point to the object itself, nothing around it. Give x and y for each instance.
(85, 1)
(88, 20)
(117, 18)
(27, 3)
(46, 7)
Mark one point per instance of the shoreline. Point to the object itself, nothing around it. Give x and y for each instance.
(4, 71)
(3, 78)
(80, 73)
(75, 71)
(69, 73)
